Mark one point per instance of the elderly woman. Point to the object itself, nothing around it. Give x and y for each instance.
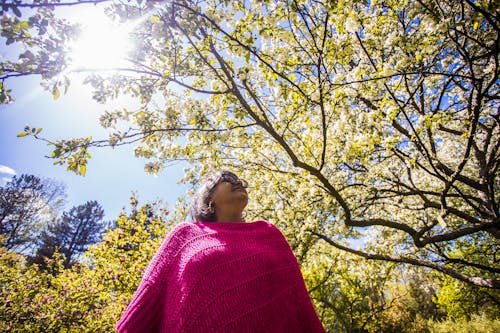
(222, 274)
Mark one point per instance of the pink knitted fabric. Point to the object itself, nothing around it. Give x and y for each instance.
(222, 277)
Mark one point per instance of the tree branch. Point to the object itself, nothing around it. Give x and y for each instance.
(478, 281)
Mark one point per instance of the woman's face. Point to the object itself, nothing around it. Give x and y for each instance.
(229, 199)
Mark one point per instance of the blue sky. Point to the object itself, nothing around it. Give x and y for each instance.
(112, 174)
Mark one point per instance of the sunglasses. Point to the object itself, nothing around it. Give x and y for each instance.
(233, 180)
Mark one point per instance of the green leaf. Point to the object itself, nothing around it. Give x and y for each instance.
(154, 19)
(83, 169)
(38, 130)
(56, 93)
(25, 25)
(22, 134)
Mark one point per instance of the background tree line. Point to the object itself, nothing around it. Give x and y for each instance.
(74, 289)
(369, 129)
(31, 221)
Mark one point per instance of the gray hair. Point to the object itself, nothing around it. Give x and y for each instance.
(201, 210)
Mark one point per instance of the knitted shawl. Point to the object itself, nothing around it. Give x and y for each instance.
(222, 277)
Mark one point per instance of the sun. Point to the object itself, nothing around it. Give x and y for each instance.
(103, 44)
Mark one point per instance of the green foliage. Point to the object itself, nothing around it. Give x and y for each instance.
(5, 97)
(87, 297)
(22, 288)
(410, 303)
(462, 301)
(477, 324)
(39, 39)
(349, 293)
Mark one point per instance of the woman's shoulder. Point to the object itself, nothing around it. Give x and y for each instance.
(182, 233)
(187, 233)
(232, 225)
(230, 230)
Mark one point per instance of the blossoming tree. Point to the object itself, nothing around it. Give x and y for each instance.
(372, 126)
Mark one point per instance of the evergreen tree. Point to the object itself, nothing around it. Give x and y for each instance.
(73, 233)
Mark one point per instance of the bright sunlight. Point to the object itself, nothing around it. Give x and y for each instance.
(103, 43)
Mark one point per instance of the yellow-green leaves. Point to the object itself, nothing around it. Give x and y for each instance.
(155, 19)
(83, 169)
(29, 131)
(90, 296)
(55, 92)
(73, 153)
(5, 97)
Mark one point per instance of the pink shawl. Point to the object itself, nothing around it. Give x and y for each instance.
(222, 277)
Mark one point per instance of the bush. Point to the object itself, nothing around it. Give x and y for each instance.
(86, 297)
(478, 323)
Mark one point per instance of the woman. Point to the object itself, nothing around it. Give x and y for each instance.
(220, 274)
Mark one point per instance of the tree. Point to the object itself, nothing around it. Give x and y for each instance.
(27, 203)
(89, 296)
(43, 37)
(462, 302)
(354, 119)
(349, 293)
(72, 234)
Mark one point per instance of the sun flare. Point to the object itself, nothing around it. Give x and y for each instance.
(103, 43)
